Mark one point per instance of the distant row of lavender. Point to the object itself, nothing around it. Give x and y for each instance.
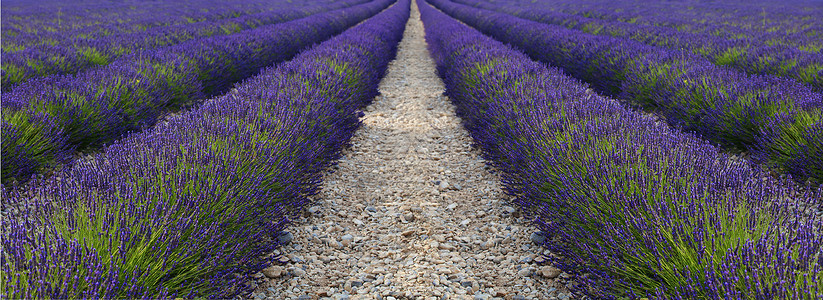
(779, 121)
(794, 23)
(45, 120)
(634, 208)
(188, 208)
(746, 54)
(82, 54)
(47, 22)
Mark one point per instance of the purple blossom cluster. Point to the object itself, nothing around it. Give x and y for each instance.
(78, 53)
(47, 118)
(634, 208)
(746, 54)
(188, 208)
(776, 119)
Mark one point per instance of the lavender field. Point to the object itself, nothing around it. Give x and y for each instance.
(411, 149)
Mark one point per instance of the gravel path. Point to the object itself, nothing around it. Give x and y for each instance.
(411, 211)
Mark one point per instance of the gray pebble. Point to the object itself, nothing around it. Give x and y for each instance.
(314, 209)
(538, 237)
(285, 237)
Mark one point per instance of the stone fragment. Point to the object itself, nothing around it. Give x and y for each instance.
(273, 271)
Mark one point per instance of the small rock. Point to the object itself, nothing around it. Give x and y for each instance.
(457, 187)
(341, 296)
(524, 272)
(304, 297)
(538, 237)
(446, 246)
(408, 217)
(371, 209)
(508, 209)
(347, 237)
(550, 272)
(299, 272)
(465, 222)
(481, 296)
(356, 283)
(357, 222)
(314, 209)
(407, 233)
(519, 297)
(443, 185)
(283, 259)
(273, 271)
(452, 206)
(285, 237)
(466, 283)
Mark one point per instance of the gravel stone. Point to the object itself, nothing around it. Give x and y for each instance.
(273, 271)
(550, 272)
(314, 209)
(538, 237)
(285, 238)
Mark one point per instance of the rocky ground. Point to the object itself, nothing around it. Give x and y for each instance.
(411, 211)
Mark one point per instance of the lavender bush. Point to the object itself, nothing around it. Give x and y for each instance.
(102, 104)
(187, 208)
(726, 106)
(634, 208)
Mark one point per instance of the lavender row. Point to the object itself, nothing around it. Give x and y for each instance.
(633, 208)
(54, 23)
(87, 53)
(788, 23)
(779, 121)
(184, 209)
(747, 55)
(45, 120)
